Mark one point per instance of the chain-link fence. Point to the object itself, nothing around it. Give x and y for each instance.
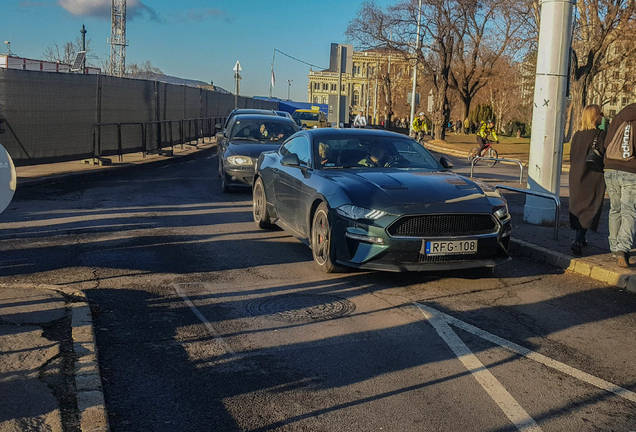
(51, 117)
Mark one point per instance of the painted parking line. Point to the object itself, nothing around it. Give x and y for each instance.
(204, 320)
(511, 408)
(430, 312)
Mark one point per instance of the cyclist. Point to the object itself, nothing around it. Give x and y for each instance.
(486, 128)
(419, 126)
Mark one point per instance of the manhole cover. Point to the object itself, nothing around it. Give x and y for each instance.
(301, 307)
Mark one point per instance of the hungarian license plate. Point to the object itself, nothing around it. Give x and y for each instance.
(449, 247)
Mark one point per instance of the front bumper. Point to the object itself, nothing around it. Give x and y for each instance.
(399, 254)
(239, 175)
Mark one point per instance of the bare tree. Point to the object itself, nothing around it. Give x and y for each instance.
(145, 70)
(603, 39)
(67, 53)
(488, 30)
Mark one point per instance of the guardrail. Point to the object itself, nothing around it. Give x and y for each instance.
(198, 128)
(478, 158)
(557, 203)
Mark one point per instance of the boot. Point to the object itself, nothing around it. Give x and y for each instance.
(577, 248)
(623, 259)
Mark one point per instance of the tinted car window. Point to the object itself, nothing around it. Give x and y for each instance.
(371, 152)
(300, 146)
(262, 131)
(312, 116)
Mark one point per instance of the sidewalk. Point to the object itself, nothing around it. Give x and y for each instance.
(49, 370)
(537, 242)
(46, 173)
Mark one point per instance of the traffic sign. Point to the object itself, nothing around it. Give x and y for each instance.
(237, 67)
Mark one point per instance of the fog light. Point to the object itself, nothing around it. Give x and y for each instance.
(368, 239)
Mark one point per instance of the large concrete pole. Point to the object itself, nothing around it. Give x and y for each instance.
(548, 116)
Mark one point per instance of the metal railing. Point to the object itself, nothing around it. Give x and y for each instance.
(478, 158)
(557, 203)
(198, 128)
(97, 138)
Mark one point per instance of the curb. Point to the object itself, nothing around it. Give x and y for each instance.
(26, 182)
(584, 266)
(93, 416)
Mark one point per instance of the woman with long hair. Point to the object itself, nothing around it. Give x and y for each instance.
(587, 187)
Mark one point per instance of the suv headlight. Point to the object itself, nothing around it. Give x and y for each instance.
(240, 160)
(354, 212)
(502, 212)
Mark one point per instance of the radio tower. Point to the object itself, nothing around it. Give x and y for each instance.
(118, 42)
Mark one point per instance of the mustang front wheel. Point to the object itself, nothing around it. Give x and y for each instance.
(321, 246)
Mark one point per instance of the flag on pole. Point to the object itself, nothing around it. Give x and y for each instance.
(273, 77)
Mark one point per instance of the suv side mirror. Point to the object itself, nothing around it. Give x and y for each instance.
(219, 136)
(218, 126)
(290, 159)
(446, 163)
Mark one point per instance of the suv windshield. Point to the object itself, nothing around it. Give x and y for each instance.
(262, 131)
(372, 152)
(312, 116)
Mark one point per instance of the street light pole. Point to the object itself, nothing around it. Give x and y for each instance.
(289, 81)
(548, 115)
(83, 32)
(417, 48)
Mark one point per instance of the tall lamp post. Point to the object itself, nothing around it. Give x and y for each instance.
(417, 47)
(289, 81)
(83, 32)
(548, 115)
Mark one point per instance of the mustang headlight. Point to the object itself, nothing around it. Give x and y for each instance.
(240, 160)
(502, 212)
(354, 212)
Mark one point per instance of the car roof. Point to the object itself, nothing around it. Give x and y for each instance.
(263, 117)
(307, 110)
(238, 111)
(349, 132)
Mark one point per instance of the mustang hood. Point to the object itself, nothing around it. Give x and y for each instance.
(413, 191)
(251, 148)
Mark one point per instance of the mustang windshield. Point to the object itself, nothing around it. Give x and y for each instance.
(372, 152)
(262, 131)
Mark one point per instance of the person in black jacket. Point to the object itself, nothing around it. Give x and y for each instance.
(587, 187)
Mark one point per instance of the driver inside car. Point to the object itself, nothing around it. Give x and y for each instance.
(267, 135)
(377, 157)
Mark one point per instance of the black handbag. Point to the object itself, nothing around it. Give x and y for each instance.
(594, 159)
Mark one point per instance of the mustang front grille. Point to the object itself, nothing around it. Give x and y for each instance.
(444, 225)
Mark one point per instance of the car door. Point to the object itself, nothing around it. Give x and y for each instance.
(289, 184)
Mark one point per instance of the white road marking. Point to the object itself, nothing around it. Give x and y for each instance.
(497, 392)
(204, 320)
(539, 358)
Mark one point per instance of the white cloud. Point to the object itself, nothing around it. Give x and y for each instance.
(101, 8)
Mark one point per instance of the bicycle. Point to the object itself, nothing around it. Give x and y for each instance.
(489, 152)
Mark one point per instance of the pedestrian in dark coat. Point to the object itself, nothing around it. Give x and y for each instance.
(587, 187)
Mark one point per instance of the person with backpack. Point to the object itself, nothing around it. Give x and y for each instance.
(620, 178)
(587, 187)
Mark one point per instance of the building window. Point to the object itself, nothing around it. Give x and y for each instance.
(334, 87)
(356, 98)
(617, 74)
(316, 86)
(324, 100)
(317, 99)
(612, 113)
(614, 100)
(624, 100)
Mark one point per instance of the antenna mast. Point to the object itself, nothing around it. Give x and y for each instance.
(118, 42)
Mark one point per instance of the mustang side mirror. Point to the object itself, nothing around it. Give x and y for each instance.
(447, 164)
(290, 159)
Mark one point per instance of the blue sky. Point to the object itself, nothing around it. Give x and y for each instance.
(194, 39)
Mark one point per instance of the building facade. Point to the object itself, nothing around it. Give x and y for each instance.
(367, 86)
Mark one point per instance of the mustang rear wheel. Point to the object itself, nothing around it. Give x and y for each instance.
(321, 245)
(259, 205)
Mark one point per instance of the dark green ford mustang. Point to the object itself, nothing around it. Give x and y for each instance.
(378, 200)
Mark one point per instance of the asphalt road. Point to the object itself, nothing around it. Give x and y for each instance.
(205, 323)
